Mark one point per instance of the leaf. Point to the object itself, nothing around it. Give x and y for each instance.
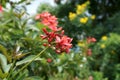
(4, 51)
(60, 68)
(20, 55)
(40, 26)
(3, 75)
(33, 28)
(4, 65)
(34, 78)
(22, 75)
(27, 59)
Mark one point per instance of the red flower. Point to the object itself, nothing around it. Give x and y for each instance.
(49, 60)
(63, 44)
(1, 8)
(48, 20)
(42, 15)
(55, 36)
(48, 35)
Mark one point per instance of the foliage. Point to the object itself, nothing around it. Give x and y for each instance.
(45, 7)
(20, 45)
(37, 47)
(106, 51)
(98, 76)
(102, 9)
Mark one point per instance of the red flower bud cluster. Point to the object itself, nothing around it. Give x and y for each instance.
(55, 36)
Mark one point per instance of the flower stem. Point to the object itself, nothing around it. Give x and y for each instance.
(30, 61)
(11, 69)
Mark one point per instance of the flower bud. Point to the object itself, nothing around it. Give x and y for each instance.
(49, 60)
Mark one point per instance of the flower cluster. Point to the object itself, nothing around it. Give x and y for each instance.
(48, 20)
(55, 36)
(79, 10)
(81, 14)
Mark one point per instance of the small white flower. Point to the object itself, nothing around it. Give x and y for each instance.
(84, 59)
(81, 65)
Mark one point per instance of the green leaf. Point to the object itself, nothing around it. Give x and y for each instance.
(34, 78)
(3, 75)
(22, 75)
(33, 28)
(27, 59)
(4, 65)
(40, 25)
(4, 51)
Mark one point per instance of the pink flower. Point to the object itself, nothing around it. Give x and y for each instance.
(91, 39)
(90, 78)
(49, 60)
(89, 52)
(1, 8)
(45, 15)
(48, 20)
(42, 15)
(63, 44)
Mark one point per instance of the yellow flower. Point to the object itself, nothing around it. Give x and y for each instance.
(80, 9)
(93, 17)
(84, 20)
(102, 46)
(84, 5)
(72, 16)
(104, 38)
(81, 44)
(78, 12)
